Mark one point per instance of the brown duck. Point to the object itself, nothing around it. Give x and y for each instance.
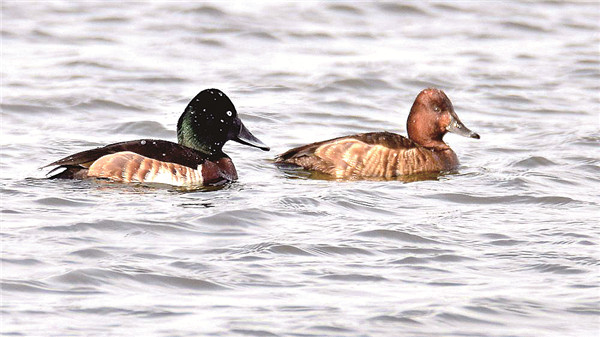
(385, 154)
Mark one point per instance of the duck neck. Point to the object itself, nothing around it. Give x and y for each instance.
(432, 144)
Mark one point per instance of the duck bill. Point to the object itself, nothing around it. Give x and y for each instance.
(456, 126)
(247, 138)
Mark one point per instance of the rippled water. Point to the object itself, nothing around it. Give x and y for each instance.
(506, 247)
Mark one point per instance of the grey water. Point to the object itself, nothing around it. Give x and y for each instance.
(507, 246)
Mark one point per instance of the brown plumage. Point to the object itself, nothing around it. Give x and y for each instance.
(385, 154)
(131, 167)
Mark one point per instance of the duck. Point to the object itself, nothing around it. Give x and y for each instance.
(386, 154)
(197, 159)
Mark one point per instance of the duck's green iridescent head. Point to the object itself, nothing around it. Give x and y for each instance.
(210, 120)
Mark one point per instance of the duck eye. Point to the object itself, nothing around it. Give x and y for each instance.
(436, 108)
(229, 113)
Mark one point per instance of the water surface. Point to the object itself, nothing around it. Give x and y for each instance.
(508, 246)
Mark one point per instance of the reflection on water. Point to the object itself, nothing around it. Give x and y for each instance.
(505, 246)
(291, 171)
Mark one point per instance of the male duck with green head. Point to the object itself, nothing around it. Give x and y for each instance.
(208, 122)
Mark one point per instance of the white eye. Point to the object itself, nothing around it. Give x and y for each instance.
(229, 113)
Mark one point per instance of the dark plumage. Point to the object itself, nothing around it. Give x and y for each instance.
(209, 120)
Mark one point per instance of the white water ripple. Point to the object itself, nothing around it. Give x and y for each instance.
(508, 246)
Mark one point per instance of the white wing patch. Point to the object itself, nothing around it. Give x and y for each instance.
(184, 176)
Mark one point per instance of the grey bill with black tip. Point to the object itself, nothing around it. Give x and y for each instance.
(456, 126)
(244, 136)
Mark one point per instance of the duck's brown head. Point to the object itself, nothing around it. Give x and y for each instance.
(431, 116)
